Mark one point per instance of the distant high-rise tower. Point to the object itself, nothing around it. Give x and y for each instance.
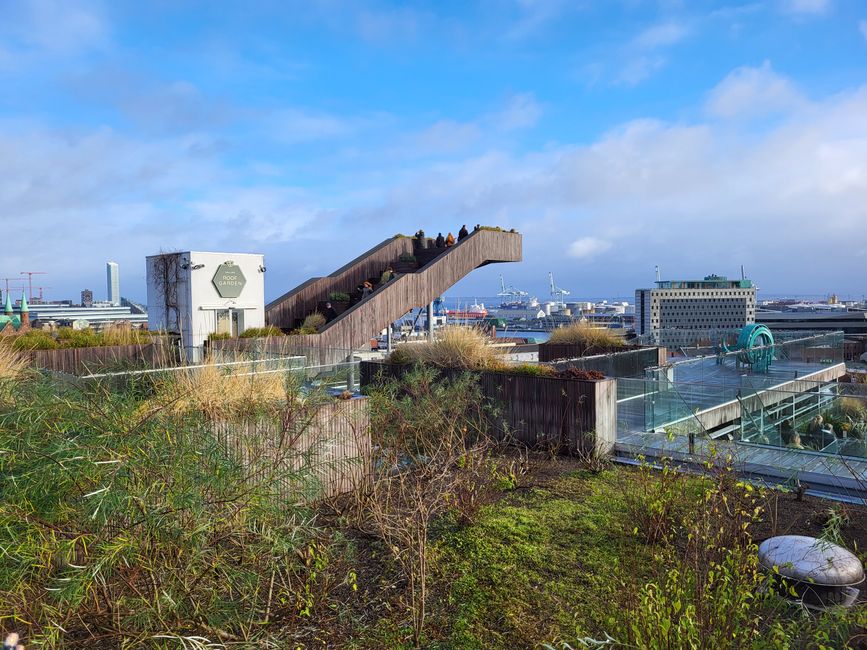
(87, 298)
(112, 280)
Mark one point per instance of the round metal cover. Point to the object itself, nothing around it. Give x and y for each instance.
(808, 559)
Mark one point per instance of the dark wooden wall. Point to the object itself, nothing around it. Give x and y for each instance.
(567, 414)
(357, 325)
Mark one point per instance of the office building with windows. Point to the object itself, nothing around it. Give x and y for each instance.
(112, 283)
(674, 307)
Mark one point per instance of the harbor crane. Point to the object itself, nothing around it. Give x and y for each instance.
(556, 292)
(510, 291)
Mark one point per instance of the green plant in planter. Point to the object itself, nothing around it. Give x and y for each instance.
(257, 332)
(407, 257)
(338, 296)
(219, 336)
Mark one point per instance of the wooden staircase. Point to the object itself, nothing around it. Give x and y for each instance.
(436, 270)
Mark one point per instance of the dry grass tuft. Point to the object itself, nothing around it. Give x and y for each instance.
(13, 364)
(124, 335)
(585, 334)
(221, 393)
(453, 347)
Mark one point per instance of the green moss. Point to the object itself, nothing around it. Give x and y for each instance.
(531, 562)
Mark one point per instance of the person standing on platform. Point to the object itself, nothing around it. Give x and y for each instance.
(440, 241)
(463, 232)
(450, 240)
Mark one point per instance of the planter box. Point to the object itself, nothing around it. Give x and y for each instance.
(628, 362)
(81, 361)
(573, 416)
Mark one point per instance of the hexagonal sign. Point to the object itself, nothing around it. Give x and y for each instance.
(228, 280)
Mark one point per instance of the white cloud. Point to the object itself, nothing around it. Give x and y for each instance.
(862, 27)
(661, 35)
(702, 196)
(640, 68)
(586, 247)
(54, 26)
(806, 7)
(752, 92)
(293, 125)
(521, 111)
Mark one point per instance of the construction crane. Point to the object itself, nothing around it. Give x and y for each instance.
(40, 293)
(510, 291)
(556, 292)
(30, 275)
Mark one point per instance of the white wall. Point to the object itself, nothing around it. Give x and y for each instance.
(198, 298)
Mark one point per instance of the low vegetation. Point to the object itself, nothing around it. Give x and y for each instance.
(312, 324)
(160, 515)
(454, 347)
(338, 296)
(67, 337)
(258, 332)
(584, 334)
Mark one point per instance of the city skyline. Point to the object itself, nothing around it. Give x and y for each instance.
(614, 136)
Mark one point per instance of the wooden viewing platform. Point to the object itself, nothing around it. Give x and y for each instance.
(438, 270)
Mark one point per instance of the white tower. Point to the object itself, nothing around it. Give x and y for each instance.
(112, 283)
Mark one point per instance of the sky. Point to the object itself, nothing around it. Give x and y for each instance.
(615, 135)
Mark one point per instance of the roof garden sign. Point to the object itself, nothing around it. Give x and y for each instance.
(228, 280)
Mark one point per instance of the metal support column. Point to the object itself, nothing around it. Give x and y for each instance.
(430, 320)
(388, 339)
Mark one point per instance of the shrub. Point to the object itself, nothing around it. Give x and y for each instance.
(531, 370)
(454, 347)
(154, 519)
(584, 375)
(83, 338)
(34, 340)
(407, 257)
(257, 332)
(582, 333)
(338, 296)
(312, 323)
(219, 336)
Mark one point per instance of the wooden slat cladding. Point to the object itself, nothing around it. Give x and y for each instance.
(77, 361)
(326, 454)
(302, 300)
(354, 327)
(570, 415)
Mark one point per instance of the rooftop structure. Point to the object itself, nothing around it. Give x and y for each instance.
(112, 282)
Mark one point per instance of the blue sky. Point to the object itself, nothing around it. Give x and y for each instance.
(616, 135)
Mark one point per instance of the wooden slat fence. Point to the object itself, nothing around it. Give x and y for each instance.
(322, 452)
(79, 361)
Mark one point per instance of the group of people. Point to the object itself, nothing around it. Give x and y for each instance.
(449, 240)
(818, 435)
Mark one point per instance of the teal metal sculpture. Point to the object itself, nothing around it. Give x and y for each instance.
(756, 347)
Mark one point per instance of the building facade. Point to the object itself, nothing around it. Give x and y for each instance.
(675, 307)
(87, 298)
(112, 283)
(196, 294)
